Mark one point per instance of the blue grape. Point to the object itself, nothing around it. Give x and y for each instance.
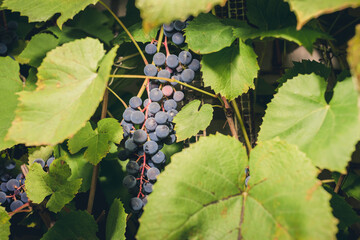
(169, 104)
(146, 102)
(12, 25)
(16, 204)
(2, 197)
(194, 65)
(150, 124)
(124, 154)
(178, 96)
(152, 173)
(135, 102)
(3, 187)
(137, 117)
(148, 187)
(185, 57)
(168, 34)
(168, 27)
(161, 145)
(50, 161)
(151, 147)
(23, 197)
(187, 75)
(136, 203)
(150, 49)
(139, 136)
(161, 117)
(126, 130)
(172, 61)
(163, 74)
(150, 70)
(40, 161)
(127, 114)
(162, 131)
(179, 25)
(5, 177)
(156, 95)
(9, 165)
(12, 184)
(129, 181)
(3, 48)
(130, 145)
(158, 158)
(145, 200)
(159, 59)
(132, 167)
(171, 139)
(153, 136)
(172, 113)
(178, 38)
(154, 107)
(177, 77)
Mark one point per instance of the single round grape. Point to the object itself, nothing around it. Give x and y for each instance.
(159, 59)
(5, 177)
(150, 70)
(150, 147)
(185, 57)
(146, 102)
(178, 96)
(12, 25)
(167, 90)
(135, 102)
(187, 75)
(178, 38)
(163, 74)
(132, 167)
(172, 61)
(148, 187)
(9, 165)
(137, 117)
(130, 145)
(139, 136)
(177, 77)
(158, 158)
(169, 27)
(15, 205)
(3, 187)
(150, 124)
(179, 25)
(40, 161)
(153, 136)
(194, 65)
(12, 184)
(154, 107)
(150, 49)
(171, 139)
(49, 161)
(127, 114)
(161, 145)
(169, 104)
(162, 131)
(124, 154)
(152, 173)
(23, 197)
(129, 181)
(156, 95)
(2, 197)
(169, 34)
(161, 117)
(136, 203)
(171, 114)
(3, 48)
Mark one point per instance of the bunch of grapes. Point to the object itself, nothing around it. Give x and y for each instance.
(175, 31)
(7, 36)
(147, 129)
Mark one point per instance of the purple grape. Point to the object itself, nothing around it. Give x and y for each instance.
(150, 49)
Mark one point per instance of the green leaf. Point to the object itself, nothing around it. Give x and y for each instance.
(39, 10)
(71, 83)
(191, 119)
(308, 9)
(10, 84)
(299, 114)
(77, 225)
(40, 184)
(43, 152)
(138, 33)
(96, 141)
(37, 48)
(116, 221)
(206, 34)
(203, 196)
(351, 184)
(156, 12)
(231, 71)
(66, 34)
(4, 224)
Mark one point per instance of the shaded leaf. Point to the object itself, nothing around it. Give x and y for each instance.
(230, 71)
(138, 33)
(75, 225)
(71, 83)
(43, 152)
(192, 119)
(40, 184)
(4, 224)
(10, 84)
(96, 141)
(116, 221)
(350, 184)
(299, 114)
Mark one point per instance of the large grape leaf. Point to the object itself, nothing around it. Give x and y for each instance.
(203, 196)
(40, 184)
(4, 224)
(230, 71)
(39, 10)
(156, 12)
(76, 225)
(207, 34)
(96, 141)
(308, 9)
(36, 49)
(138, 33)
(71, 83)
(299, 114)
(192, 119)
(10, 84)
(116, 221)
